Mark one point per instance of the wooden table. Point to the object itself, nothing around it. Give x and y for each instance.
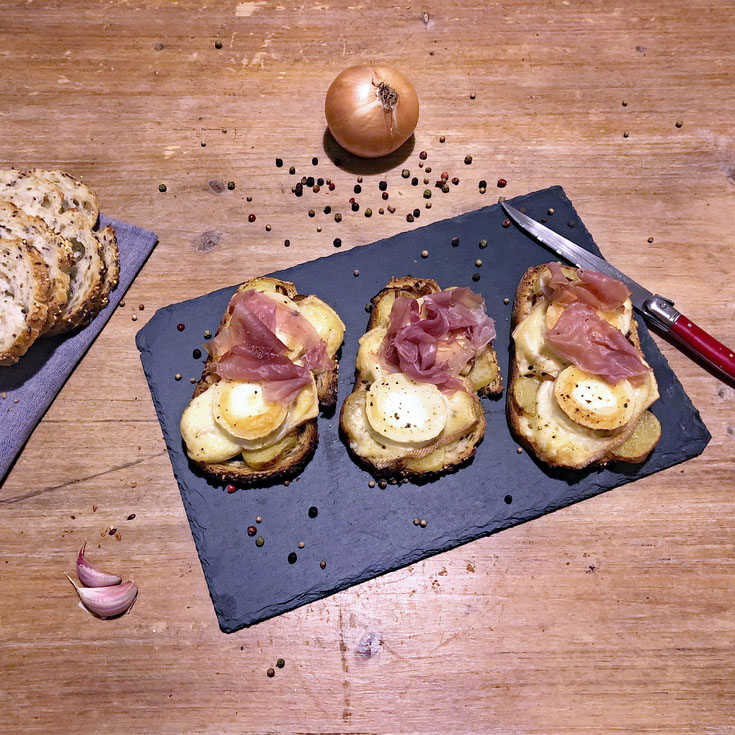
(614, 615)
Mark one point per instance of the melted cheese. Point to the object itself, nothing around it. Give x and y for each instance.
(242, 409)
(532, 354)
(405, 411)
(325, 320)
(205, 439)
(368, 364)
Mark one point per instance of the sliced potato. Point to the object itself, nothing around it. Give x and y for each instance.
(524, 394)
(272, 285)
(641, 442)
(484, 370)
(260, 458)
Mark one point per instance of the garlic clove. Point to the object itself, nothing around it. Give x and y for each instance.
(91, 577)
(107, 602)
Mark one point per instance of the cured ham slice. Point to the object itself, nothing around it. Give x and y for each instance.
(249, 350)
(595, 346)
(432, 342)
(596, 289)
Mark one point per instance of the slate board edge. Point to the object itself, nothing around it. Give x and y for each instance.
(229, 625)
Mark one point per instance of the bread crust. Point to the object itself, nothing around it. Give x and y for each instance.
(293, 461)
(525, 300)
(462, 448)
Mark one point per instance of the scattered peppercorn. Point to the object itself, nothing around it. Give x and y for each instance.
(441, 138)
(177, 376)
(650, 239)
(252, 530)
(483, 184)
(131, 516)
(478, 263)
(506, 223)
(301, 544)
(368, 212)
(327, 209)
(259, 541)
(292, 170)
(207, 333)
(337, 242)
(280, 663)
(331, 186)
(522, 210)
(678, 123)
(550, 210)
(417, 213)
(444, 176)
(405, 173)
(381, 211)
(258, 519)
(162, 187)
(313, 511)
(319, 228)
(338, 217)
(357, 188)
(455, 181)
(322, 564)
(428, 205)
(482, 244)
(218, 44)
(230, 488)
(292, 557)
(624, 103)
(472, 95)
(355, 206)
(385, 195)
(320, 182)
(506, 300)
(423, 155)
(359, 179)
(475, 277)
(268, 228)
(248, 199)
(428, 169)
(251, 218)
(382, 185)
(421, 164)
(571, 223)
(427, 193)
(424, 253)
(279, 162)
(287, 243)
(625, 134)
(445, 188)
(181, 327)
(316, 188)
(468, 159)
(310, 181)
(502, 183)
(519, 450)
(409, 218)
(382, 484)
(270, 673)
(197, 353)
(230, 185)
(314, 161)
(312, 213)
(134, 318)
(112, 531)
(482, 190)
(455, 242)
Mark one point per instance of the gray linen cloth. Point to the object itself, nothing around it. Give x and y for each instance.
(28, 387)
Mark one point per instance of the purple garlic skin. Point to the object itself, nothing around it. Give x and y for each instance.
(91, 577)
(108, 602)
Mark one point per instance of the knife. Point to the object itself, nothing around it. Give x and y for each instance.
(656, 309)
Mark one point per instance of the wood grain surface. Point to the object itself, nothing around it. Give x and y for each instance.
(615, 615)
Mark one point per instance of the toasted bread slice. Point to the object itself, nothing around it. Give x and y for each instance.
(24, 290)
(111, 258)
(55, 250)
(288, 457)
(457, 442)
(534, 418)
(75, 194)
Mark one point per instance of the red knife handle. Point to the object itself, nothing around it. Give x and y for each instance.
(705, 345)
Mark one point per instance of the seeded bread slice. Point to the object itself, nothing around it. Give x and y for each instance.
(297, 455)
(75, 194)
(24, 290)
(55, 250)
(446, 453)
(22, 189)
(111, 258)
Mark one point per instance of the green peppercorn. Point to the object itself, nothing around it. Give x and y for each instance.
(368, 212)
(218, 44)
(445, 188)
(468, 159)
(162, 187)
(259, 541)
(405, 173)
(292, 170)
(427, 193)
(483, 244)
(280, 663)
(338, 217)
(230, 185)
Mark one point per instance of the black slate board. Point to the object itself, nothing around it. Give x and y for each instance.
(362, 532)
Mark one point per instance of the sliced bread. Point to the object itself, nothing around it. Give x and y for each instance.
(24, 291)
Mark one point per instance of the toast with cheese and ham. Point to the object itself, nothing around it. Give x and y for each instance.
(414, 409)
(271, 365)
(579, 383)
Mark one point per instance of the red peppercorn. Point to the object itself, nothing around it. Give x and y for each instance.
(331, 186)
(501, 183)
(252, 530)
(231, 488)
(251, 218)
(423, 155)
(455, 181)
(444, 175)
(181, 327)
(384, 195)
(506, 223)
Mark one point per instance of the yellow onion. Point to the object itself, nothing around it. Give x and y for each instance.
(371, 110)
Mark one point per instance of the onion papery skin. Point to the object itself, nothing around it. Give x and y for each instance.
(357, 117)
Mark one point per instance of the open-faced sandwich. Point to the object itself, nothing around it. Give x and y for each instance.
(414, 409)
(252, 418)
(51, 218)
(579, 383)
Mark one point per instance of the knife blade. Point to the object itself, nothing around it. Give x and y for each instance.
(655, 308)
